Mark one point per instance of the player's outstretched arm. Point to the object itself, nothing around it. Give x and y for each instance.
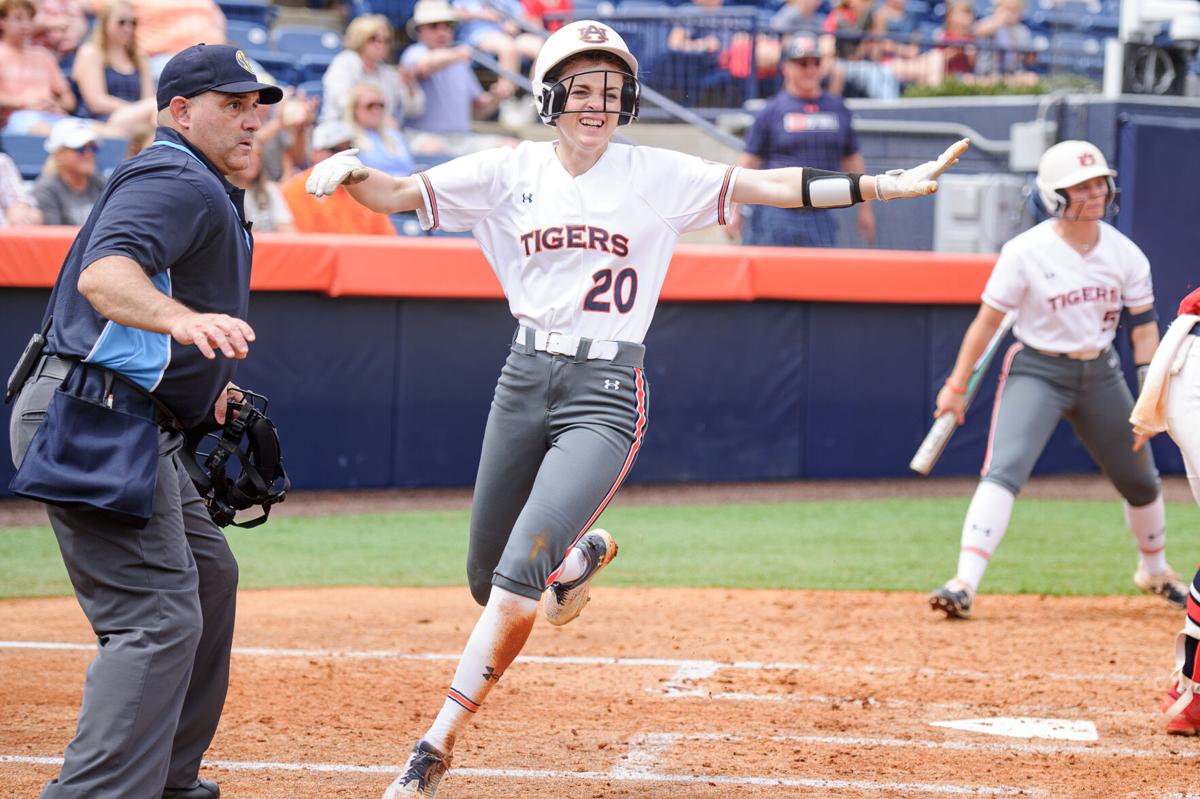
(951, 397)
(795, 187)
(376, 190)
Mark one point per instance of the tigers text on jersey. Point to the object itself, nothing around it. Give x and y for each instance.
(1065, 301)
(582, 255)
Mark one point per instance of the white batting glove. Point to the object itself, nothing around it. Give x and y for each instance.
(920, 180)
(339, 168)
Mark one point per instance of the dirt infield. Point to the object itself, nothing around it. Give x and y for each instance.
(659, 694)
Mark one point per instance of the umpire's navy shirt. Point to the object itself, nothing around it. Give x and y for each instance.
(172, 213)
(794, 132)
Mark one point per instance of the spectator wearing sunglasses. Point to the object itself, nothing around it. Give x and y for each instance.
(69, 186)
(112, 73)
(379, 144)
(368, 42)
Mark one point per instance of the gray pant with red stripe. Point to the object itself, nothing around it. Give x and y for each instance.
(561, 437)
(1037, 390)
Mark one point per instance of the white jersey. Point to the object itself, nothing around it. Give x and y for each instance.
(585, 255)
(1064, 301)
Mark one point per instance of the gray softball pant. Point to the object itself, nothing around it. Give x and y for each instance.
(562, 435)
(161, 604)
(1037, 390)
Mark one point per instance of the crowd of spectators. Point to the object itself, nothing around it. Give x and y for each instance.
(79, 71)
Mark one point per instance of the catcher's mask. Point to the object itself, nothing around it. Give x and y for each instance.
(585, 36)
(261, 480)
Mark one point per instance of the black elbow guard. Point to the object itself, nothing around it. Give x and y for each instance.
(1145, 317)
(823, 189)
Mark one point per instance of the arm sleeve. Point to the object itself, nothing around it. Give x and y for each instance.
(461, 193)
(1006, 286)
(689, 193)
(132, 223)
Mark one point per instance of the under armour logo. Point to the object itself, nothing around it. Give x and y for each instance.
(1049, 275)
(593, 34)
(490, 675)
(1086, 159)
(526, 198)
(612, 385)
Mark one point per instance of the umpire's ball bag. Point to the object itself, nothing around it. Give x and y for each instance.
(97, 448)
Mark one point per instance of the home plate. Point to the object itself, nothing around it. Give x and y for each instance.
(1024, 727)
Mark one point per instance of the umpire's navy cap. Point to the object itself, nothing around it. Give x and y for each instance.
(212, 68)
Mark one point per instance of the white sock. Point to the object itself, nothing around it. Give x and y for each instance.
(1149, 527)
(985, 525)
(498, 637)
(573, 565)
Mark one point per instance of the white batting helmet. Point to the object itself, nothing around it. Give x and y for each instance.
(550, 97)
(1067, 164)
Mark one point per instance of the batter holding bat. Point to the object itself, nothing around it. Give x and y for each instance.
(1067, 281)
(579, 232)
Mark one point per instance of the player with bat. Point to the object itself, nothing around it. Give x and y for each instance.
(1066, 282)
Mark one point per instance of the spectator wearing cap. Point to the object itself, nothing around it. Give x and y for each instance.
(154, 293)
(34, 93)
(337, 213)
(69, 186)
(802, 125)
(368, 41)
(453, 93)
(17, 206)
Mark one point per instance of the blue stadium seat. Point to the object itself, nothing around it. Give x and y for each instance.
(1076, 52)
(281, 66)
(27, 151)
(312, 66)
(311, 88)
(246, 35)
(110, 155)
(300, 40)
(257, 11)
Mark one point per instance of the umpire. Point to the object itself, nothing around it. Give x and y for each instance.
(145, 324)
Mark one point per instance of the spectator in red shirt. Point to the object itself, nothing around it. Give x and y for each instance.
(956, 39)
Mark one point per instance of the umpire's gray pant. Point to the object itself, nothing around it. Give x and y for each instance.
(161, 604)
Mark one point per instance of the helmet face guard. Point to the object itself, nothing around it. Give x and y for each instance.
(1068, 164)
(552, 99)
(261, 480)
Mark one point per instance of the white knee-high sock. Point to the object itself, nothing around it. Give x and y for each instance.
(985, 525)
(1149, 527)
(501, 632)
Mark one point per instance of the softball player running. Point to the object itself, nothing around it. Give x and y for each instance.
(579, 232)
(1171, 401)
(1067, 280)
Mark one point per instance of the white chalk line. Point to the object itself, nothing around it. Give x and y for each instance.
(693, 667)
(616, 775)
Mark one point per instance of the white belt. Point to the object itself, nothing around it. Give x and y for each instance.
(566, 344)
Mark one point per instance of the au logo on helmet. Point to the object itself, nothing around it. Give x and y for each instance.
(1086, 159)
(593, 34)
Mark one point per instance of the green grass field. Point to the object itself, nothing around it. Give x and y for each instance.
(1052, 547)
